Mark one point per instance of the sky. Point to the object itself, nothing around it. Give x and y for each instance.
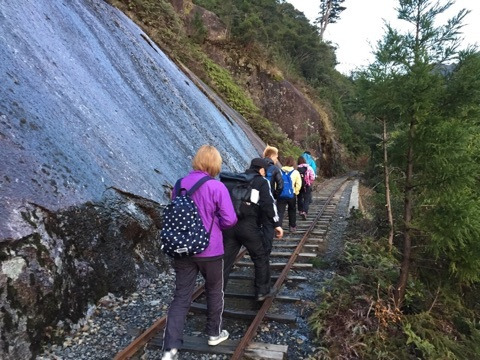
(361, 25)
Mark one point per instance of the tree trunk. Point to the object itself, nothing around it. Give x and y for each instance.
(399, 294)
(388, 203)
(325, 18)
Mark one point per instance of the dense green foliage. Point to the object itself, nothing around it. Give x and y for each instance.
(433, 115)
(222, 81)
(286, 36)
(281, 29)
(357, 318)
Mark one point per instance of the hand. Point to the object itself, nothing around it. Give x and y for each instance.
(279, 232)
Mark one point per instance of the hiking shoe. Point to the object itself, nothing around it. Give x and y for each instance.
(215, 340)
(171, 354)
(293, 229)
(262, 297)
(304, 215)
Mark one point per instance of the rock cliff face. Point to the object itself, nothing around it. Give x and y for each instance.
(280, 101)
(298, 117)
(95, 124)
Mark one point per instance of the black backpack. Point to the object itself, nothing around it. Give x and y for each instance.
(303, 171)
(240, 188)
(183, 233)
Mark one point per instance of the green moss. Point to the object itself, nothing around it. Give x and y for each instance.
(236, 97)
(42, 251)
(159, 20)
(7, 320)
(234, 94)
(26, 217)
(319, 263)
(4, 256)
(12, 297)
(200, 29)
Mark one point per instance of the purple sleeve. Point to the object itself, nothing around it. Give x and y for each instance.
(225, 211)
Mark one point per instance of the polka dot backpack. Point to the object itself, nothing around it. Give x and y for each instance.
(183, 233)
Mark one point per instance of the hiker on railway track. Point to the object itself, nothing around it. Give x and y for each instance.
(215, 209)
(292, 183)
(304, 197)
(274, 176)
(307, 155)
(272, 172)
(248, 231)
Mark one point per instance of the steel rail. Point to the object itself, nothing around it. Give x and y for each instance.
(251, 331)
(158, 325)
(148, 334)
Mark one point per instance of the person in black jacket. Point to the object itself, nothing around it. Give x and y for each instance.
(274, 175)
(248, 231)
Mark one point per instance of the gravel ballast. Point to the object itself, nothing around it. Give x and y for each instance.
(109, 325)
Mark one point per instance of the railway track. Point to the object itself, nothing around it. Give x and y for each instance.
(292, 258)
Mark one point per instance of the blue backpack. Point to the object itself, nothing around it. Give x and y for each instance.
(287, 192)
(183, 233)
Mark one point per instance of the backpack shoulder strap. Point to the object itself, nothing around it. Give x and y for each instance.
(177, 187)
(198, 184)
(195, 188)
(290, 173)
(251, 177)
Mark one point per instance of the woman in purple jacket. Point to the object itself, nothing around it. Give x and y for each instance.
(214, 204)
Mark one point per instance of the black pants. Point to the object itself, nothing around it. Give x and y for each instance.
(248, 234)
(186, 271)
(268, 231)
(292, 210)
(304, 199)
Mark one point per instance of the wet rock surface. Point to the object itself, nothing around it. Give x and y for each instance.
(88, 101)
(115, 318)
(95, 124)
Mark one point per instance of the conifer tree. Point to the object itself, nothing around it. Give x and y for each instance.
(376, 87)
(329, 14)
(439, 139)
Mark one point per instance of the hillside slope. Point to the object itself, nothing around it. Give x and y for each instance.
(284, 113)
